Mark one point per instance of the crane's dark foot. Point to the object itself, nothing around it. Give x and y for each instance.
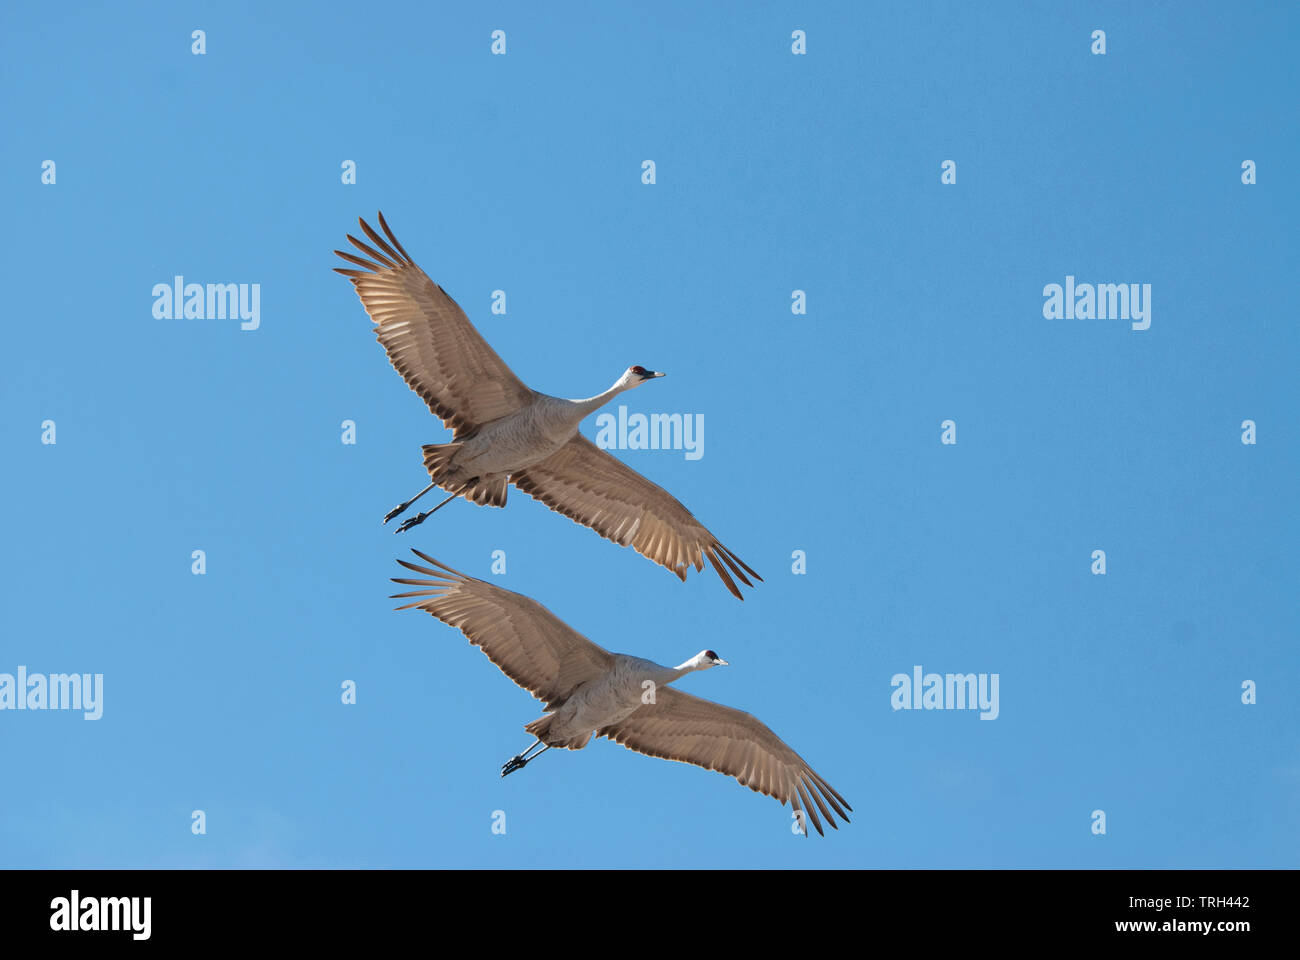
(397, 511)
(410, 522)
(513, 764)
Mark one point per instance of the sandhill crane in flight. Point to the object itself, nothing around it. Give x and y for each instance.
(504, 433)
(589, 692)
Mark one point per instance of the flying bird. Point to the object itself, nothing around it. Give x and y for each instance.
(505, 433)
(589, 691)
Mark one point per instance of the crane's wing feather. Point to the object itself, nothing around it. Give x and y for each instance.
(428, 338)
(530, 645)
(678, 726)
(598, 490)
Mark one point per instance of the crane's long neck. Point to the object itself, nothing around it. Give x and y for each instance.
(690, 666)
(661, 675)
(592, 404)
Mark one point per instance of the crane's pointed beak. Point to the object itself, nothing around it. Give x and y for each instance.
(719, 662)
(656, 373)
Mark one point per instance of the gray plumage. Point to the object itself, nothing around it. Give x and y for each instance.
(589, 691)
(505, 433)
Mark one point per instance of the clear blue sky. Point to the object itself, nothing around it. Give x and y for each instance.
(775, 172)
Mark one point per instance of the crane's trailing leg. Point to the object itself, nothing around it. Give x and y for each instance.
(398, 510)
(419, 518)
(521, 761)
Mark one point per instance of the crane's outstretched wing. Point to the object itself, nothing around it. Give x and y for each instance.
(428, 338)
(586, 484)
(531, 645)
(678, 726)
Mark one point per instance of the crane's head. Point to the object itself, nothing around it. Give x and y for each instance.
(637, 375)
(704, 660)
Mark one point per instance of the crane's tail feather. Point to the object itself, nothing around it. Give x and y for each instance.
(541, 729)
(437, 460)
(488, 491)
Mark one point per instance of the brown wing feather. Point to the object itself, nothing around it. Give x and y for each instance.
(678, 726)
(588, 485)
(428, 338)
(529, 644)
